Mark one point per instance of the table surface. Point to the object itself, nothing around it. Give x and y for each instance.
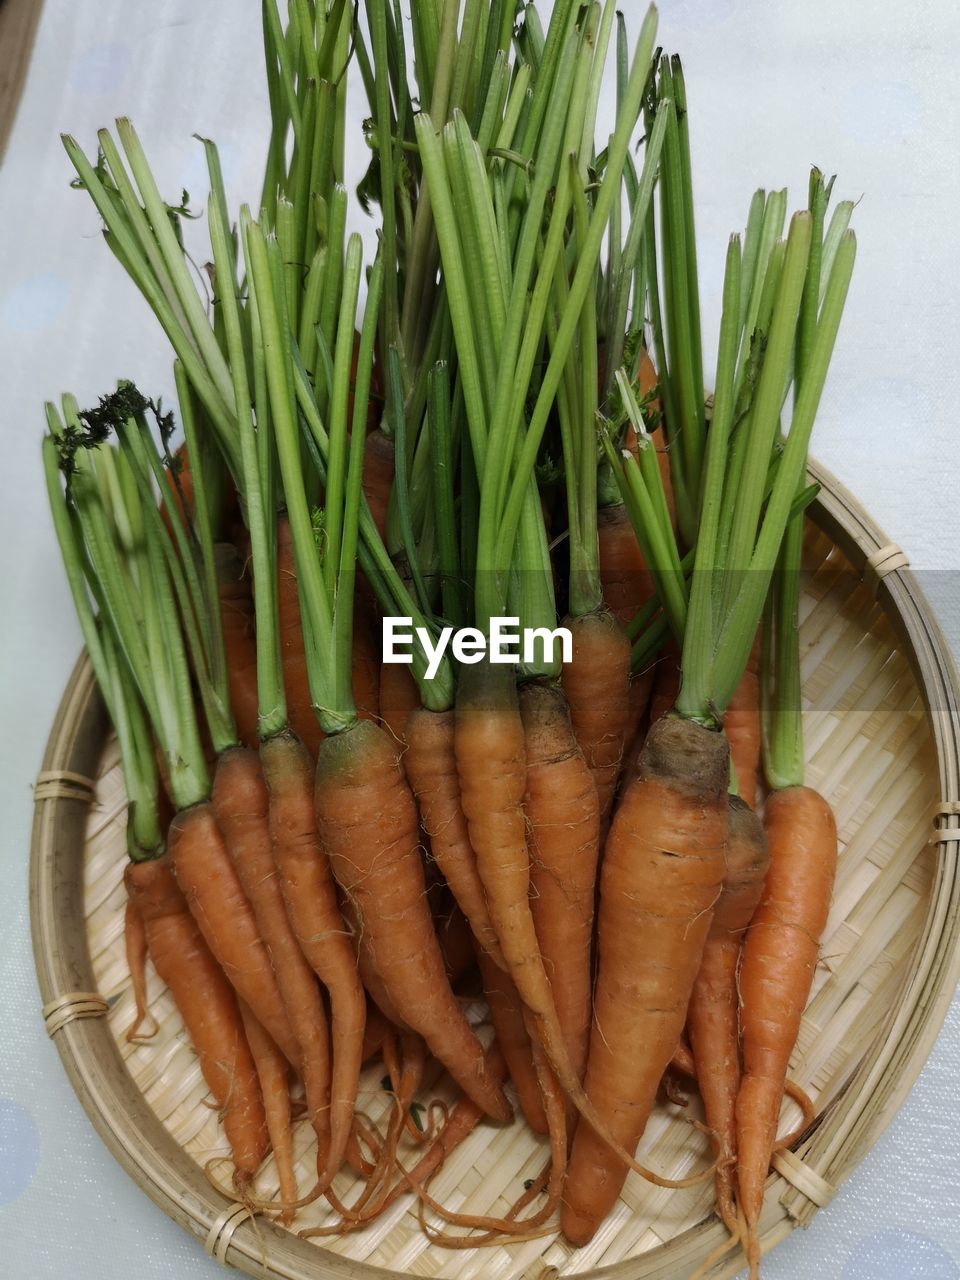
(866, 89)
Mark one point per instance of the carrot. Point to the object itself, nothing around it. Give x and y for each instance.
(463, 1119)
(408, 1082)
(456, 941)
(506, 1013)
(627, 586)
(626, 581)
(638, 703)
(682, 1060)
(236, 613)
(662, 872)
(179, 494)
(272, 1071)
(316, 922)
(208, 1006)
(379, 463)
(648, 381)
(368, 825)
(563, 815)
(779, 959)
(366, 659)
(214, 894)
(398, 698)
(666, 683)
(741, 724)
(596, 683)
(293, 655)
(712, 1018)
(489, 744)
(135, 945)
(509, 1226)
(373, 984)
(405, 1064)
(241, 805)
(431, 767)
(375, 1031)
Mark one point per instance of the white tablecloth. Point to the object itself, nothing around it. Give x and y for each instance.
(867, 89)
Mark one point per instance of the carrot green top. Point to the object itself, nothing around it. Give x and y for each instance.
(158, 623)
(743, 514)
(124, 706)
(504, 261)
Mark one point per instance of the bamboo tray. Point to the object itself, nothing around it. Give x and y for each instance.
(882, 721)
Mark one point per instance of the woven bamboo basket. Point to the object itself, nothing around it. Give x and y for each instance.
(882, 727)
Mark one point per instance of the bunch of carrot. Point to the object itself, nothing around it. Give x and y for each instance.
(513, 424)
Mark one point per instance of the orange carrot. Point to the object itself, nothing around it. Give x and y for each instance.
(461, 1122)
(491, 762)
(311, 901)
(272, 1071)
(135, 944)
(368, 825)
(236, 613)
(366, 659)
(179, 493)
(431, 768)
(399, 696)
(506, 1013)
(214, 894)
(597, 683)
(563, 814)
(741, 724)
(666, 682)
(662, 873)
(647, 382)
(641, 688)
(658, 684)
(779, 959)
(379, 462)
(682, 1063)
(208, 1006)
(300, 713)
(456, 940)
(375, 1031)
(626, 581)
(463, 1119)
(510, 1226)
(241, 805)
(712, 1018)
(627, 586)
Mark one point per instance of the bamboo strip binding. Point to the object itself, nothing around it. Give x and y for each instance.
(886, 559)
(946, 810)
(63, 784)
(221, 1232)
(75, 1004)
(804, 1179)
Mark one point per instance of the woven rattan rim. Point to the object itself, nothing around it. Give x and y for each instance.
(805, 1178)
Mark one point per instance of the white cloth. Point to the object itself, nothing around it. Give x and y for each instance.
(867, 90)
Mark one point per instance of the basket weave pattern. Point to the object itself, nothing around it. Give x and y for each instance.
(880, 715)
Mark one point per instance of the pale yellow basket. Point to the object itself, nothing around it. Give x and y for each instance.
(882, 731)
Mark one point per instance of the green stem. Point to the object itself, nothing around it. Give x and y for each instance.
(442, 475)
(736, 636)
(259, 509)
(138, 762)
(699, 640)
(583, 281)
(783, 755)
